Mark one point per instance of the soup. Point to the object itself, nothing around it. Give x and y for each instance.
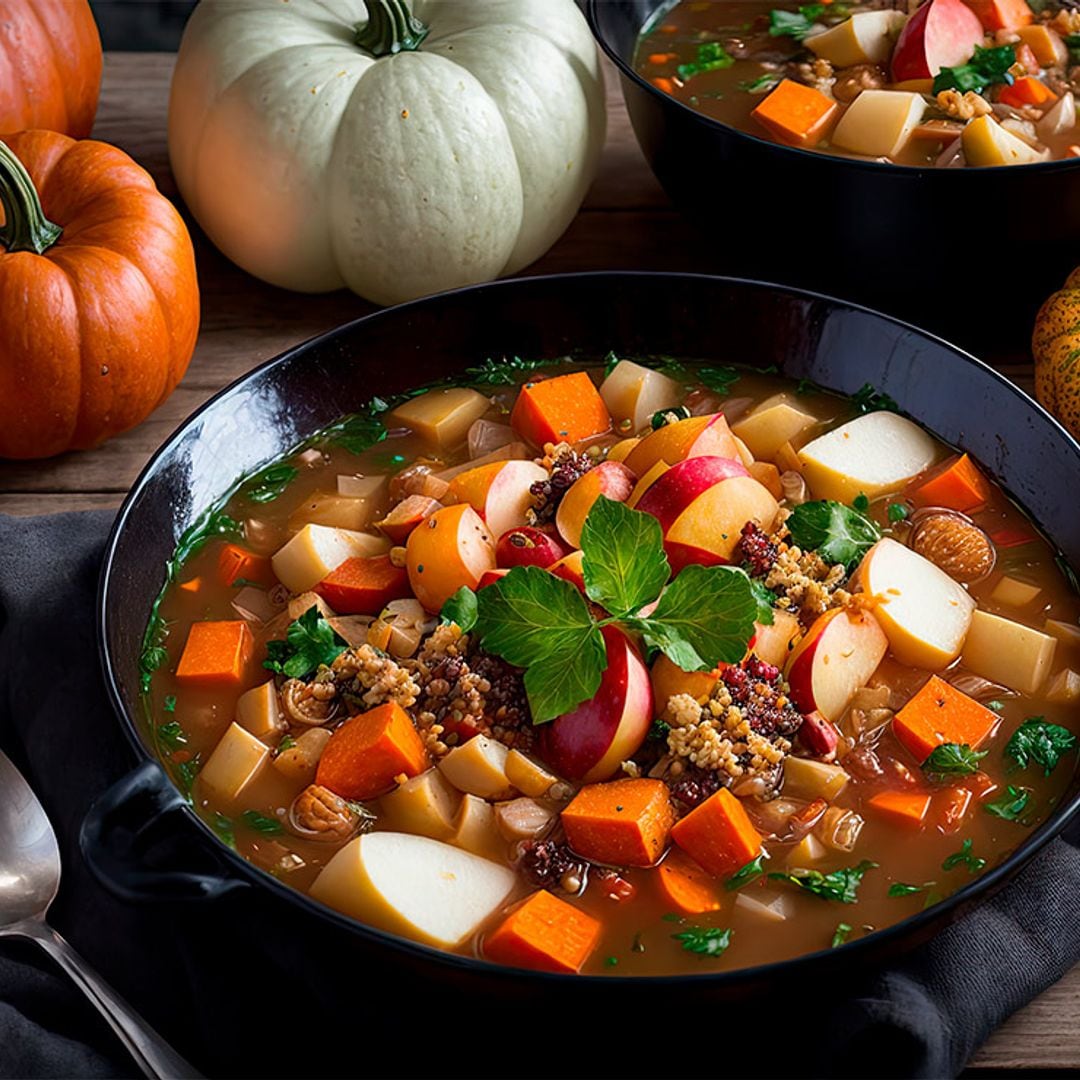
(634, 668)
(952, 84)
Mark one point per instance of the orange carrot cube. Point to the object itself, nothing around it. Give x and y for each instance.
(544, 933)
(796, 114)
(192, 585)
(686, 885)
(365, 754)
(236, 563)
(907, 808)
(1002, 14)
(364, 586)
(567, 408)
(1027, 91)
(624, 822)
(718, 834)
(217, 654)
(957, 485)
(939, 713)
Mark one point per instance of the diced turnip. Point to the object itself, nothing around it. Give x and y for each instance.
(257, 711)
(337, 511)
(866, 38)
(442, 418)
(1064, 688)
(476, 829)
(299, 761)
(424, 805)
(633, 393)
(1067, 634)
(879, 123)
(316, 550)
(1008, 652)
(766, 905)
(363, 487)
(235, 762)
(523, 819)
(254, 604)
(1059, 118)
(775, 421)
(414, 886)
(478, 767)
(299, 604)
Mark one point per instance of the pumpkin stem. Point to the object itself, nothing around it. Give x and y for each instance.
(391, 28)
(25, 228)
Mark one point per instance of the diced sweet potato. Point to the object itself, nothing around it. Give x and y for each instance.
(939, 713)
(237, 563)
(1002, 14)
(545, 933)
(624, 822)
(906, 808)
(957, 485)
(567, 408)
(718, 834)
(364, 586)
(217, 654)
(686, 885)
(796, 114)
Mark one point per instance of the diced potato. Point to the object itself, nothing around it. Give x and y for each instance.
(632, 392)
(866, 38)
(1059, 118)
(872, 455)
(1008, 652)
(253, 603)
(523, 819)
(235, 762)
(775, 421)
(299, 762)
(527, 775)
(1048, 46)
(299, 604)
(476, 829)
(364, 487)
(478, 767)
(414, 886)
(1065, 687)
(316, 550)
(424, 805)
(772, 643)
(441, 418)
(986, 142)
(337, 511)
(1014, 593)
(806, 779)
(807, 851)
(257, 711)
(1068, 634)
(767, 905)
(879, 122)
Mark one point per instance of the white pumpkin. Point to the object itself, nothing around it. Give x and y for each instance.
(315, 162)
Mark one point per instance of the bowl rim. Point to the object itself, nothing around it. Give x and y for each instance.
(943, 912)
(836, 161)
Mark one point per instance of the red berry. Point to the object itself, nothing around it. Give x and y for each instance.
(528, 546)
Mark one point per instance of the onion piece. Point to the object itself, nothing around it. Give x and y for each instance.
(254, 604)
(486, 436)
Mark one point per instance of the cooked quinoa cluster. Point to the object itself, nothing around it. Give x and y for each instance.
(564, 465)
(367, 677)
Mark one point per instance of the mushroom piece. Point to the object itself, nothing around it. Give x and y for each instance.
(318, 814)
(312, 704)
(524, 818)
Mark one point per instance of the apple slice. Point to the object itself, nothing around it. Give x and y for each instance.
(836, 657)
(569, 568)
(668, 679)
(610, 478)
(591, 742)
(633, 393)
(713, 522)
(773, 643)
(866, 38)
(697, 436)
(676, 488)
(499, 492)
(451, 549)
(924, 613)
(871, 455)
(942, 33)
(528, 546)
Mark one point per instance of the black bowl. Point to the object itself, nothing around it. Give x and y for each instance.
(145, 842)
(930, 245)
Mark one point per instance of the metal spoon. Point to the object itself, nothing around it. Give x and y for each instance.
(29, 879)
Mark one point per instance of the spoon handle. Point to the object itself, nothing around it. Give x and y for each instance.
(151, 1052)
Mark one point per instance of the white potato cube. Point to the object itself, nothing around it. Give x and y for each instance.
(316, 550)
(1008, 652)
(257, 711)
(878, 123)
(775, 421)
(424, 805)
(632, 392)
(1012, 592)
(767, 905)
(986, 142)
(235, 762)
(806, 779)
(478, 767)
(865, 38)
(337, 511)
(442, 418)
(477, 830)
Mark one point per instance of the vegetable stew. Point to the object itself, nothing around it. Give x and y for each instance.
(637, 667)
(946, 83)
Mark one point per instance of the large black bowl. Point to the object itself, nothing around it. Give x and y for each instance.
(146, 843)
(929, 245)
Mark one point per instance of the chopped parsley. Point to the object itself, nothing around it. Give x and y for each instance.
(902, 888)
(1010, 804)
(836, 532)
(840, 885)
(898, 512)
(711, 56)
(663, 417)
(270, 483)
(840, 934)
(169, 704)
(704, 940)
(963, 857)
(795, 24)
(261, 823)
(868, 399)
(750, 872)
(861, 502)
(719, 379)
(986, 68)
(172, 735)
(952, 759)
(224, 829)
(309, 642)
(761, 85)
(1037, 741)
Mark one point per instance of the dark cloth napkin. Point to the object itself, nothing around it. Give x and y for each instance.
(922, 1017)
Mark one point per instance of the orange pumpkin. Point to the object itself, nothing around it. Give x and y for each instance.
(99, 304)
(50, 66)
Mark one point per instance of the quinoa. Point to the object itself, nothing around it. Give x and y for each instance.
(367, 677)
(564, 465)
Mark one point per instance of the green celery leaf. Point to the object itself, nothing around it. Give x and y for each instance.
(623, 557)
(795, 24)
(744, 875)
(964, 857)
(869, 399)
(840, 885)
(902, 888)
(261, 823)
(718, 379)
(1010, 805)
(840, 934)
(836, 532)
(461, 609)
(711, 56)
(985, 68)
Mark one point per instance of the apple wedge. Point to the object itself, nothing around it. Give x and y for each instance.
(610, 478)
(866, 38)
(942, 33)
(591, 742)
(451, 549)
(924, 613)
(712, 524)
(676, 488)
(499, 492)
(697, 436)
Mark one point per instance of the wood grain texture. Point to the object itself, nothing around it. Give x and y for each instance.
(626, 222)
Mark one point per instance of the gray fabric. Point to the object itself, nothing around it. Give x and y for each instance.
(922, 1018)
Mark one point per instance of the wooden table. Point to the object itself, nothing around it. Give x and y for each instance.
(627, 222)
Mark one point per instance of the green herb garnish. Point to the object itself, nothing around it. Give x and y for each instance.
(761, 85)
(952, 759)
(743, 876)
(795, 24)
(611, 362)
(172, 735)
(838, 533)
(861, 502)
(711, 56)
(663, 417)
(840, 934)
(902, 888)
(267, 485)
(169, 704)
(460, 609)
(840, 885)
(224, 829)
(997, 706)
(898, 512)
(868, 399)
(704, 940)
(1010, 804)
(963, 857)
(719, 379)
(261, 823)
(309, 642)
(765, 599)
(659, 729)
(513, 369)
(186, 771)
(985, 68)
(210, 525)
(1036, 740)
(624, 566)
(287, 743)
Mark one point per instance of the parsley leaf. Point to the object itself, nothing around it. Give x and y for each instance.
(704, 940)
(794, 24)
(267, 485)
(868, 399)
(750, 872)
(169, 704)
(1010, 805)
(840, 934)
(623, 562)
(510, 369)
(838, 533)
(663, 417)
(309, 642)
(902, 888)
(711, 56)
(897, 512)
(840, 885)
(1036, 740)
(718, 379)
(765, 600)
(359, 431)
(261, 823)
(172, 735)
(985, 68)
(539, 622)
(461, 609)
(952, 759)
(186, 771)
(861, 502)
(762, 84)
(1072, 41)
(963, 857)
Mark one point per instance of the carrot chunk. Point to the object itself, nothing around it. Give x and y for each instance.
(192, 585)
(1002, 14)
(624, 822)
(217, 654)
(686, 885)
(957, 485)
(545, 933)
(366, 753)
(364, 586)
(1027, 91)
(718, 834)
(796, 114)
(939, 713)
(951, 807)
(236, 562)
(907, 808)
(566, 409)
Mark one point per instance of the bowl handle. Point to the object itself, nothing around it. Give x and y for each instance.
(135, 844)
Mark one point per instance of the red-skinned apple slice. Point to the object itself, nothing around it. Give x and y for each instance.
(680, 485)
(942, 33)
(489, 577)
(569, 568)
(836, 657)
(697, 436)
(610, 478)
(713, 522)
(528, 546)
(591, 742)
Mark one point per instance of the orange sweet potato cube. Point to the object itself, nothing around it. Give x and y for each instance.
(217, 654)
(686, 885)
(795, 114)
(957, 485)
(624, 822)
(567, 408)
(907, 808)
(237, 563)
(1002, 14)
(718, 834)
(939, 713)
(366, 753)
(545, 933)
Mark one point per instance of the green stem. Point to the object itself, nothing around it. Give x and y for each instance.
(25, 228)
(391, 28)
